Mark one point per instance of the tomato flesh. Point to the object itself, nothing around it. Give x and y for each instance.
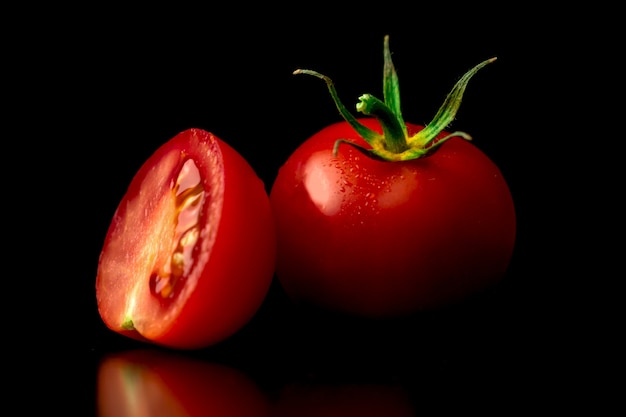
(380, 238)
(190, 252)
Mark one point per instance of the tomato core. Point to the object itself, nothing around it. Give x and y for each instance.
(188, 197)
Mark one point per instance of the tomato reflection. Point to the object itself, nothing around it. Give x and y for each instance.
(343, 400)
(150, 383)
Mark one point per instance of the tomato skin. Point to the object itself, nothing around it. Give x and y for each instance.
(227, 271)
(382, 239)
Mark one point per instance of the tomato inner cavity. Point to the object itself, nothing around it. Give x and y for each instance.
(188, 196)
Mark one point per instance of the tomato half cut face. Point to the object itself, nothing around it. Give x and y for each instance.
(189, 255)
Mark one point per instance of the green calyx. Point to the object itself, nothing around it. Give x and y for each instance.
(395, 144)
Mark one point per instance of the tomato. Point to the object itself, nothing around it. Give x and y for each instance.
(378, 217)
(147, 382)
(189, 255)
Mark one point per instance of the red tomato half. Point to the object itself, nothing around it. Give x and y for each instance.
(189, 255)
(379, 238)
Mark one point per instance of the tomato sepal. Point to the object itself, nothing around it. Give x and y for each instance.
(395, 144)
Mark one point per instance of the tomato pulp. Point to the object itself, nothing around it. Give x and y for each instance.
(189, 255)
(378, 238)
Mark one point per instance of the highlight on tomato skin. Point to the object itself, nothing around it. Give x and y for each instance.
(190, 252)
(149, 383)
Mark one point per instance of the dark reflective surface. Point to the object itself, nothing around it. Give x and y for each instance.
(296, 361)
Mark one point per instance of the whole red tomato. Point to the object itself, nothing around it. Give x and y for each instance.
(379, 217)
(189, 255)
(153, 383)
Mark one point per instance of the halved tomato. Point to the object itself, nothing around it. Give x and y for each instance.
(189, 255)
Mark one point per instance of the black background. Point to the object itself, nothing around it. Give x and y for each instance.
(107, 87)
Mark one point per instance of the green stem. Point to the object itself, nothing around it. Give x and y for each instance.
(393, 131)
